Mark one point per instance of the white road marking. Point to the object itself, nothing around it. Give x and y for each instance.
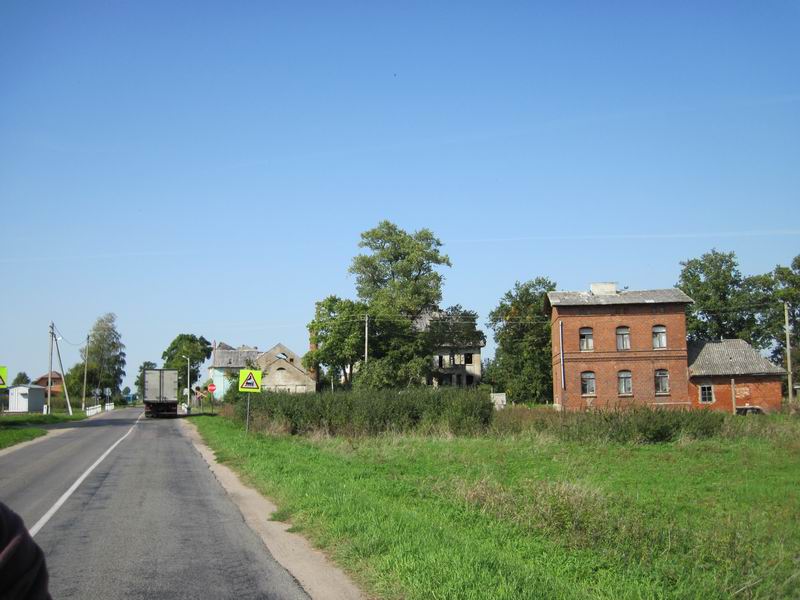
(65, 496)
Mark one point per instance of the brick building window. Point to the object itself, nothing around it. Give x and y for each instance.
(659, 337)
(624, 383)
(706, 394)
(623, 338)
(662, 381)
(586, 339)
(587, 383)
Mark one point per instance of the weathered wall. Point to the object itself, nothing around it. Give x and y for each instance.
(751, 390)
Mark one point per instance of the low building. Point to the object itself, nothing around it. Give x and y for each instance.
(456, 358)
(26, 397)
(281, 367)
(57, 382)
(618, 348)
(283, 371)
(731, 376)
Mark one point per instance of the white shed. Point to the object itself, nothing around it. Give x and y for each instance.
(26, 398)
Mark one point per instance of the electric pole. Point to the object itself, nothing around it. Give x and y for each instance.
(366, 338)
(50, 369)
(85, 367)
(788, 350)
(63, 377)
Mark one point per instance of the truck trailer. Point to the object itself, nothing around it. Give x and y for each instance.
(160, 392)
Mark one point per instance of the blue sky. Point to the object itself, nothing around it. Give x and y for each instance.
(207, 167)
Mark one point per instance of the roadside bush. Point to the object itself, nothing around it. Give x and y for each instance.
(370, 412)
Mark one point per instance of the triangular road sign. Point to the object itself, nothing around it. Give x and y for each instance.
(3, 376)
(2, 381)
(250, 382)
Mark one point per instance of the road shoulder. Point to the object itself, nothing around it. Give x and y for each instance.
(318, 576)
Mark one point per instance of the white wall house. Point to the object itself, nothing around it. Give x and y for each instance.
(26, 398)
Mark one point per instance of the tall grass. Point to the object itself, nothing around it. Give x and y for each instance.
(352, 413)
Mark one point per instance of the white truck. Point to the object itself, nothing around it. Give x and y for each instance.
(160, 392)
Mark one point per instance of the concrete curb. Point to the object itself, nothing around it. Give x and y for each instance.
(318, 576)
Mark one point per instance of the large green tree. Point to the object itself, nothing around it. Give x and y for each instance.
(337, 336)
(105, 354)
(727, 305)
(522, 366)
(784, 283)
(139, 383)
(197, 349)
(74, 380)
(399, 281)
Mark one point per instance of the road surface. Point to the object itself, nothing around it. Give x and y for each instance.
(150, 521)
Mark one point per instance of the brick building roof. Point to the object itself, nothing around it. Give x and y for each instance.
(728, 357)
(666, 296)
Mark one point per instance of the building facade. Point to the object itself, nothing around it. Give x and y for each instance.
(616, 349)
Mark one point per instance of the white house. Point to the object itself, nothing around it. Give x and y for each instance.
(26, 398)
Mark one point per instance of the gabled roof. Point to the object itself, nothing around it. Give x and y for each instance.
(665, 296)
(728, 357)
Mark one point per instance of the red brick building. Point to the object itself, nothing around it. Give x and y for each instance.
(616, 349)
(731, 376)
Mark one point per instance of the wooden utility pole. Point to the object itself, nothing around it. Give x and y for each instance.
(50, 369)
(788, 350)
(85, 367)
(63, 377)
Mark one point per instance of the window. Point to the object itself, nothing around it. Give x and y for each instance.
(623, 338)
(468, 358)
(470, 380)
(662, 381)
(659, 337)
(441, 361)
(706, 394)
(586, 339)
(458, 379)
(587, 383)
(624, 383)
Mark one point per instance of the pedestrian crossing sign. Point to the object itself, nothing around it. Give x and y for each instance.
(3, 376)
(249, 380)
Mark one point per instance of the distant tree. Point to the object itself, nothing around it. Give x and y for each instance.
(198, 349)
(73, 379)
(522, 366)
(727, 305)
(126, 390)
(105, 354)
(21, 378)
(337, 335)
(455, 326)
(784, 283)
(139, 383)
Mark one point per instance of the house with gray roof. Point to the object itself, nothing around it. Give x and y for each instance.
(732, 376)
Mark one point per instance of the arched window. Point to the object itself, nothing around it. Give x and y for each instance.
(659, 337)
(587, 383)
(623, 338)
(586, 338)
(662, 381)
(624, 383)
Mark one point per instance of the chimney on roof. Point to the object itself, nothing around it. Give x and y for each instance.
(606, 288)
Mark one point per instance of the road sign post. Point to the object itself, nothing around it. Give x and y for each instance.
(249, 381)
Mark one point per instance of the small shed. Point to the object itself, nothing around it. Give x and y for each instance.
(26, 398)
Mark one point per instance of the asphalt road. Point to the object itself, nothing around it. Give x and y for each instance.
(150, 521)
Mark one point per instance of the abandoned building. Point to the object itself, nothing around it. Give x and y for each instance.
(618, 348)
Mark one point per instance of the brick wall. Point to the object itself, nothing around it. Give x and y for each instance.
(606, 361)
(753, 390)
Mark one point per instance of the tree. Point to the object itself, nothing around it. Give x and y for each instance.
(726, 305)
(337, 335)
(455, 326)
(522, 366)
(785, 288)
(198, 349)
(73, 379)
(105, 354)
(126, 390)
(139, 383)
(21, 378)
(399, 275)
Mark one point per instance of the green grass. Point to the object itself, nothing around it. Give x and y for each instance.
(20, 419)
(14, 435)
(532, 516)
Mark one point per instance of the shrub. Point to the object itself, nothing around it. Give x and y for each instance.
(370, 412)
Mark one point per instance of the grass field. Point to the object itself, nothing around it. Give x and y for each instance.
(532, 516)
(21, 427)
